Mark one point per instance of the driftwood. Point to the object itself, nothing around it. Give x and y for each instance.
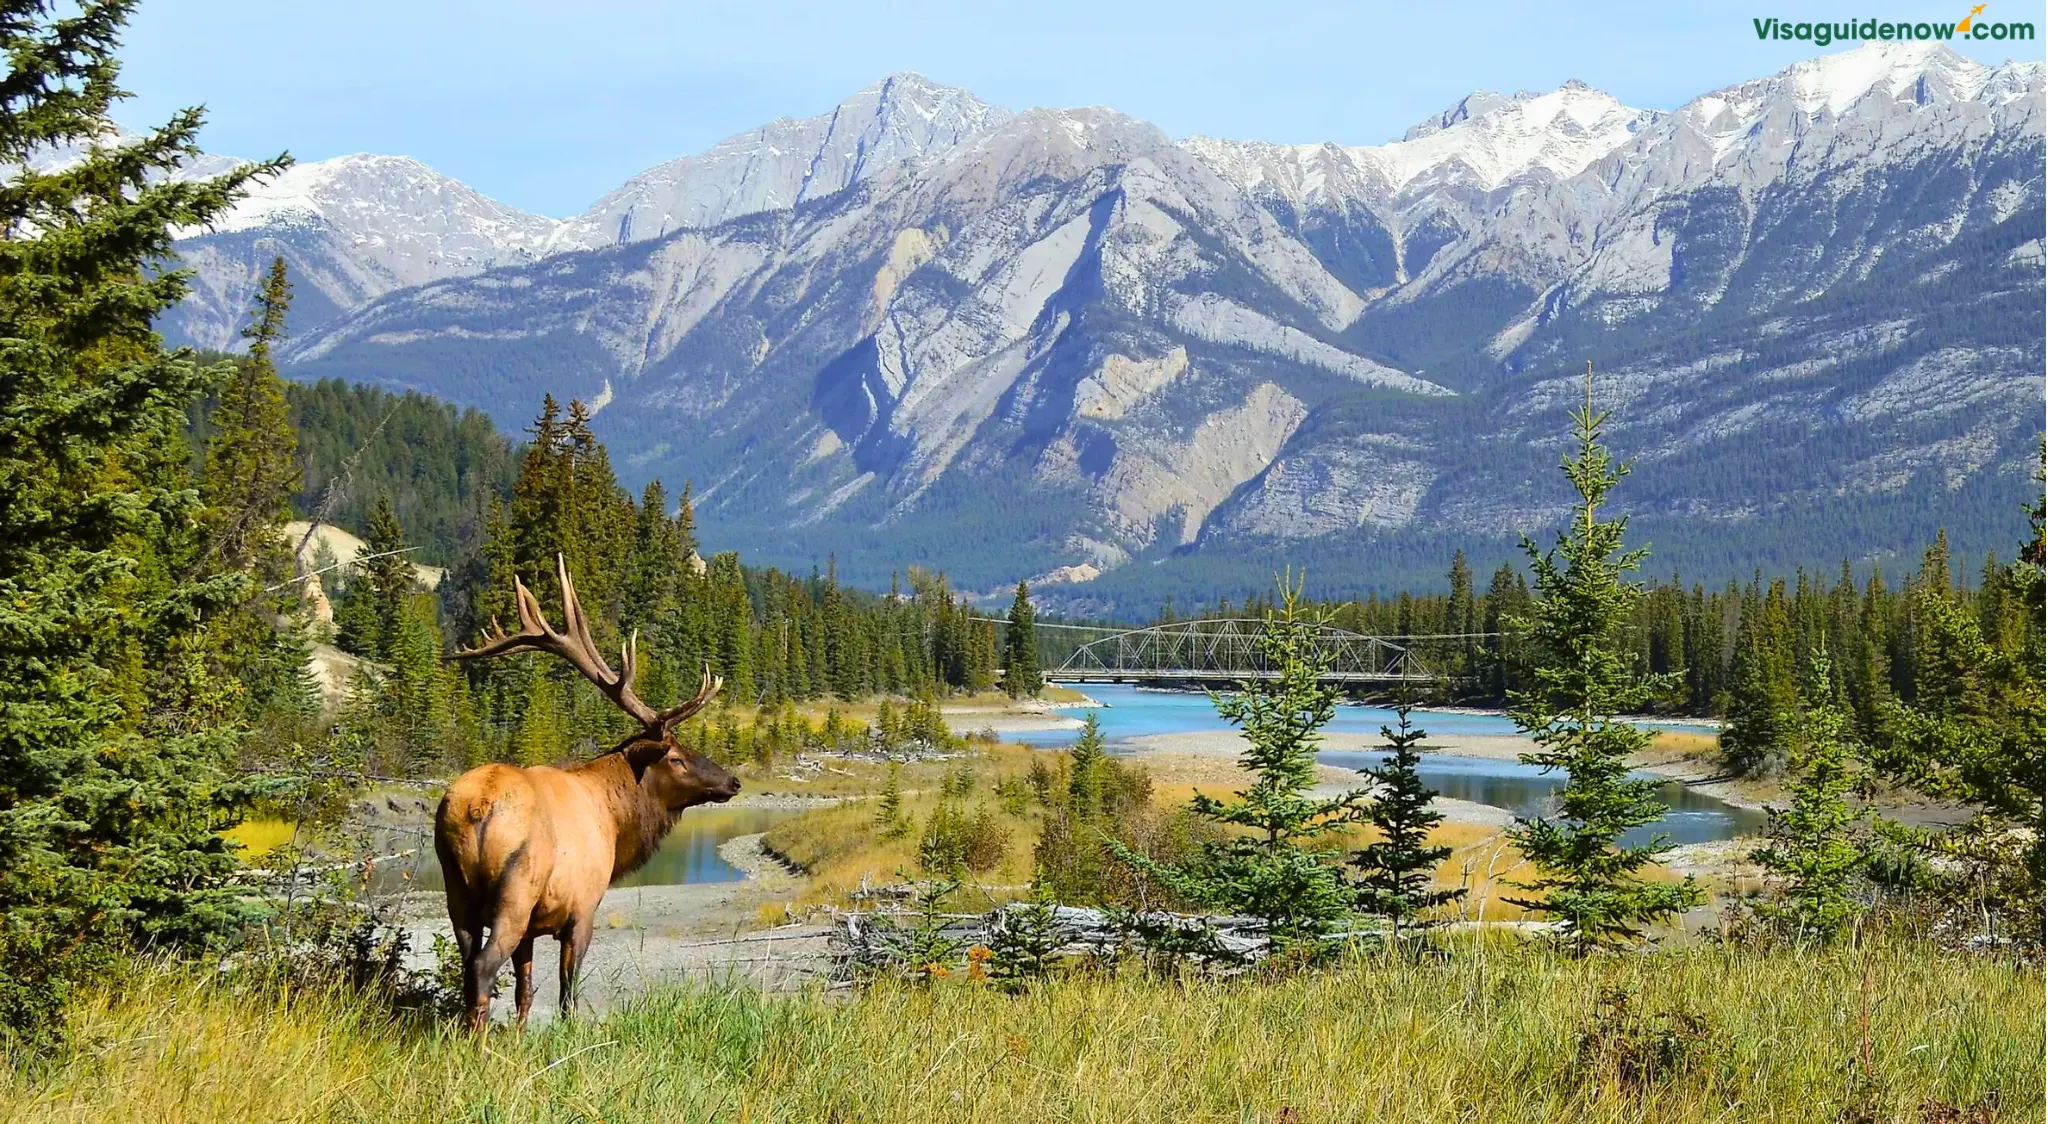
(865, 943)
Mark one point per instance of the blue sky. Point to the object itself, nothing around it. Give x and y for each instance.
(548, 105)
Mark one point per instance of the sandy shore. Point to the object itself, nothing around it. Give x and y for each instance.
(966, 723)
(1692, 772)
(1014, 718)
(1211, 764)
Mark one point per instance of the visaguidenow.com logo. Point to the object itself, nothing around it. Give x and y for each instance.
(1879, 31)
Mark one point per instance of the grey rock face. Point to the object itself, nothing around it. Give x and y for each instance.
(1061, 343)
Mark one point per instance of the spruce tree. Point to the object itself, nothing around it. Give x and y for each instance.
(1762, 698)
(1396, 873)
(1021, 676)
(1506, 599)
(415, 692)
(252, 465)
(1087, 765)
(733, 618)
(543, 727)
(1072, 849)
(1461, 616)
(1972, 735)
(249, 474)
(889, 810)
(113, 761)
(1810, 854)
(382, 581)
(1587, 879)
(1267, 868)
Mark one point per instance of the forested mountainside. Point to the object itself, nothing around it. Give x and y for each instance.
(438, 465)
(1061, 345)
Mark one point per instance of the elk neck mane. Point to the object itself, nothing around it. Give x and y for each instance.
(643, 822)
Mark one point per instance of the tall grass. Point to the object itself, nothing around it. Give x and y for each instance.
(1500, 1031)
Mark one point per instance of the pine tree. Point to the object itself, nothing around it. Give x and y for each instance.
(383, 580)
(733, 618)
(1396, 872)
(1586, 878)
(249, 474)
(1268, 870)
(886, 726)
(1461, 616)
(1072, 851)
(1972, 734)
(1087, 763)
(1763, 695)
(543, 727)
(538, 523)
(1026, 942)
(889, 810)
(252, 465)
(1020, 648)
(1506, 599)
(415, 693)
(1810, 855)
(1869, 675)
(599, 520)
(113, 761)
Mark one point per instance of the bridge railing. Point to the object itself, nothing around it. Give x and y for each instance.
(1229, 648)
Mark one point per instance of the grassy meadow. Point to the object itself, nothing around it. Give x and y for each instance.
(1499, 1030)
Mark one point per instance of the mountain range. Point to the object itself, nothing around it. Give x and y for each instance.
(1059, 344)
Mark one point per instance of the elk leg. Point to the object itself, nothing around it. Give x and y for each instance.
(508, 932)
(575, 941)
(522, 976)
(469, 936)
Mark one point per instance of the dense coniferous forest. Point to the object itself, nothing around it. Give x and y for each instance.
(1712, 650)
(774, 638)
(438, 464)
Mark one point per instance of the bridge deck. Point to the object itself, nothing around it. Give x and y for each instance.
(1131, 675)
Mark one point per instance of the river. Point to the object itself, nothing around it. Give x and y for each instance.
(1131, 712)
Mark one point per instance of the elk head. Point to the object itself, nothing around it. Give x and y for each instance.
(674, 776)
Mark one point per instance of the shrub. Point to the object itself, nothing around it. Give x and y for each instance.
(954, 843)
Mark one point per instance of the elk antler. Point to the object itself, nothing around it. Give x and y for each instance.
(576, 646)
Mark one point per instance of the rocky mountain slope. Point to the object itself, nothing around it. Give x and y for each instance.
(357, 227)
(1060, 343)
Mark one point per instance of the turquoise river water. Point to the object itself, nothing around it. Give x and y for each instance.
(1132, 712)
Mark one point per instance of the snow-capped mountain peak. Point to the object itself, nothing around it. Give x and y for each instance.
(1838, 85)
(392, 199)
(1478, 103)
(1838, 81)
(903, 118)
(1498, 139)
(1482, 144)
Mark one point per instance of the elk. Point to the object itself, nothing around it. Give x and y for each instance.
(529, 852)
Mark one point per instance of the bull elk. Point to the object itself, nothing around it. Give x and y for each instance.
(529, 852)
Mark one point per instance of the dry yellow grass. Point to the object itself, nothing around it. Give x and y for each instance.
(1500, 1031)
(1671, 744)
(842, 847)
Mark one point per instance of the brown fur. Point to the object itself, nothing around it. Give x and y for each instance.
(529, 852)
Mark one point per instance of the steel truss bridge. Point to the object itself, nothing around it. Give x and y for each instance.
(1228, 649)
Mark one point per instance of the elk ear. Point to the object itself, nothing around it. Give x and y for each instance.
(642, 752)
